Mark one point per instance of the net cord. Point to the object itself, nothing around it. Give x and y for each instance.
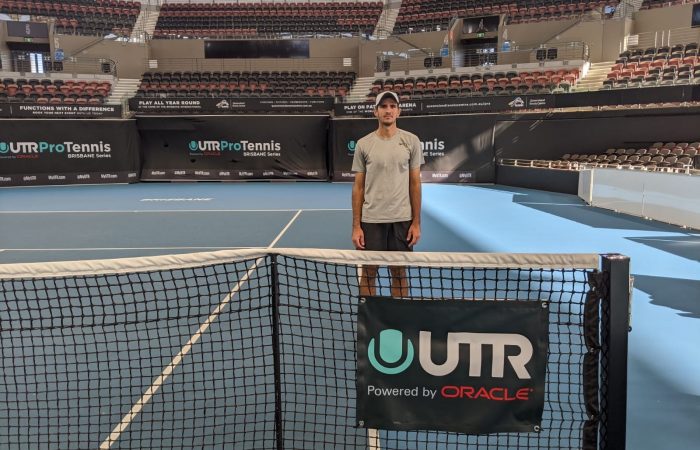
(353, 257)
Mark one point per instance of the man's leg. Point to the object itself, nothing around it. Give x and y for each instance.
(399, 282)
(368, 281)
(375, 240)
(398, 242)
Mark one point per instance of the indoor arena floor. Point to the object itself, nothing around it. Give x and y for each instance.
(114, 221)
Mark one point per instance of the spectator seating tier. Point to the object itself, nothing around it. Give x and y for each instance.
(659, 155)
(245, 84)
(428, 15)
(655, 66)
(88, 17)
(478, 84)
(54, 91)
(199, 20)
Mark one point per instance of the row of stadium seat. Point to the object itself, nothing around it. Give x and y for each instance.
(683, 77)
(99, 17)
(672, 51)
(482, 84)
(428, 15)
(235, 76)
(418, 93)
(254, 83)
(242, 27)
(58, 98)
(256, 91)
(662, 66)
(664, 156)
(220, 8)
(54, 91)
(230, 19)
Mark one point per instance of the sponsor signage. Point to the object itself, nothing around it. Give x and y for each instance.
(472, 367)
(225, 105)
(68, 178)
(241, 148)
(454, 105)
(26, 110)
(67, 152)
(456, 149)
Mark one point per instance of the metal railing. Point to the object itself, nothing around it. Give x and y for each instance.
(256, 64)
(426, 58)
(73, 66)
(577, 166)
(660, 38)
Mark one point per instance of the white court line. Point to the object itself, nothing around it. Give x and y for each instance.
(284, 230)
(172, 211)
(153, 389)
(373, 442)
(120, 248)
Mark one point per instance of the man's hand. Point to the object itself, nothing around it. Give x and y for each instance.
(358, 238)
(413, 234)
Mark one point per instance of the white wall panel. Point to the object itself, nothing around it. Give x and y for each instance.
(667, 197)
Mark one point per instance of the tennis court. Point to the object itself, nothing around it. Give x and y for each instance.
(96, 222)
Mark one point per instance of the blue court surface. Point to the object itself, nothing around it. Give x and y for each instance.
(96, 222)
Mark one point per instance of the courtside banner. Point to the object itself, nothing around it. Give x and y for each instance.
(224, 105)
(35, 152)
(472, 367)
(447, 105)
(456, 149)
(234, 147)
(37, 110)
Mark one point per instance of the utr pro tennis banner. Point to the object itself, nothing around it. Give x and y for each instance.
(39, 151)
(234, 147)
(472, 367)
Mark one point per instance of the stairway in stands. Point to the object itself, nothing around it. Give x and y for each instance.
(123, 89)
(360, 89)
(593, 80)
(145, 23)
(387, 20)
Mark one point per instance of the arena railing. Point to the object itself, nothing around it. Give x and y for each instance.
(426, 58)
(576, 166)
(73, 66)
(660, 38)
(257, 64)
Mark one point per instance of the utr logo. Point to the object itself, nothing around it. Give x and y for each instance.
(391, 349)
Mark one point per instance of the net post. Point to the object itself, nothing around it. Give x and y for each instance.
(274, 311)
(615, 326)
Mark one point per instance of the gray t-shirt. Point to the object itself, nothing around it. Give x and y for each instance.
(386, 163)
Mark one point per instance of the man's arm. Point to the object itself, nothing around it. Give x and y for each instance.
(358, 198)
(414, 192)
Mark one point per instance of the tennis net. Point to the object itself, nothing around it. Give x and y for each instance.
(256, 349)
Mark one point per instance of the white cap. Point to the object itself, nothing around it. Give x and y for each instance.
(383, 94)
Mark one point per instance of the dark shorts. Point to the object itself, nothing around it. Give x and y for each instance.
(386, 236)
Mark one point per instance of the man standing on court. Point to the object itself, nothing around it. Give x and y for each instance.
(386, 196)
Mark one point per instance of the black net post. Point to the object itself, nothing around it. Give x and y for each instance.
(614, 329)
(274, 311)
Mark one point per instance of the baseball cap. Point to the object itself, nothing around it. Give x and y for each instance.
(382, 95)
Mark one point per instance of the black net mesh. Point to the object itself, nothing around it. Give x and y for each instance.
(192, 354)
